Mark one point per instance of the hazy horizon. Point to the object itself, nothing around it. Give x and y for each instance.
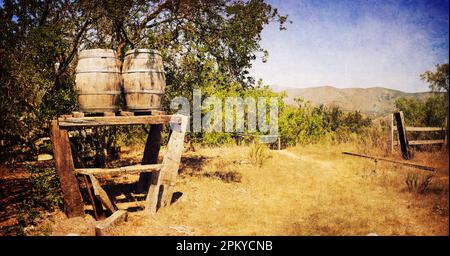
(277, 87)
(355, 44)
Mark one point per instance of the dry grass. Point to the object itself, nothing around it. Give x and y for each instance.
(311, 190)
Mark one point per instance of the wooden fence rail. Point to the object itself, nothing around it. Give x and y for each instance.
(391, 142)
(423, 129)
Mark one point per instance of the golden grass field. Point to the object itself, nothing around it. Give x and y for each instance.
(307, 190)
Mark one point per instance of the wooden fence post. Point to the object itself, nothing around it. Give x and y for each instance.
(402, 135)
(73, 202)
(390, 135)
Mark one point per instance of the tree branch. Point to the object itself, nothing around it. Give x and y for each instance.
(63, 66)
(45, 13)
(167, 5)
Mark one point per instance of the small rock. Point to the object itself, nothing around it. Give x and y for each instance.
(372, 234)
(72, 234)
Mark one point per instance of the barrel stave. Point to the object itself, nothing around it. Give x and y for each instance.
(98, 81)
(143, 79)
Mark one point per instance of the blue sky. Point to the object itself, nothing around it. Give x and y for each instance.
(355, 44)
(351, 43)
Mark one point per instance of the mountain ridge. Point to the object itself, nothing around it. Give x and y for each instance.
(374, 101)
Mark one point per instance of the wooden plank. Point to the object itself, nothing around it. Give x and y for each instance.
(422, 167)
(151, 153)
(77, 114)
(422, 142)
(73, 201)
(126, 113)
(390, 135)
(117, 120)
(133, 169)
(158, 112)
(105, 227)
(96, 204)
(425, 142)
(141, 113)
(169, 175)
(109, 113)
(423, 129)
(134, 204)
(165, 179)
(101, 194)
(402, 135)
(173, 159)
(123, 206)
(152, 202)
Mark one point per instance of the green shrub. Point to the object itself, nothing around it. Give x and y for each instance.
(308, 124)
(216, 138)
(429, 112)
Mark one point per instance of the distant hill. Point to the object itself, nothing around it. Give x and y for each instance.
(373, 101)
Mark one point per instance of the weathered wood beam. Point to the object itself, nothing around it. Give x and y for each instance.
(105, 226)
(117, 120)
(123, 205)
(101, 194)
(423, 129)
(96, 204)
(73, 201)
(402, 135)
(425, 142)
(132, 169)
(418, 166)
(165, 179)
(151, 153)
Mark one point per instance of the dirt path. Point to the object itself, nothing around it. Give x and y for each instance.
(288, 154)
(305, 158)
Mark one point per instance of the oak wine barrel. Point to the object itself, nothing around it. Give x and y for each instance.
(143, 80)
(98, 81)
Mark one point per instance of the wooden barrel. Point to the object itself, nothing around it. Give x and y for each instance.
(98, 81)
(144, 80)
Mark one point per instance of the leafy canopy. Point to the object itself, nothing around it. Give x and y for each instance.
(203, 42)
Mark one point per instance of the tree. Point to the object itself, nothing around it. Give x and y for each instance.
(413, 109)
(439, 82)
(39, 42)
(34, 36)
(429, 112)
